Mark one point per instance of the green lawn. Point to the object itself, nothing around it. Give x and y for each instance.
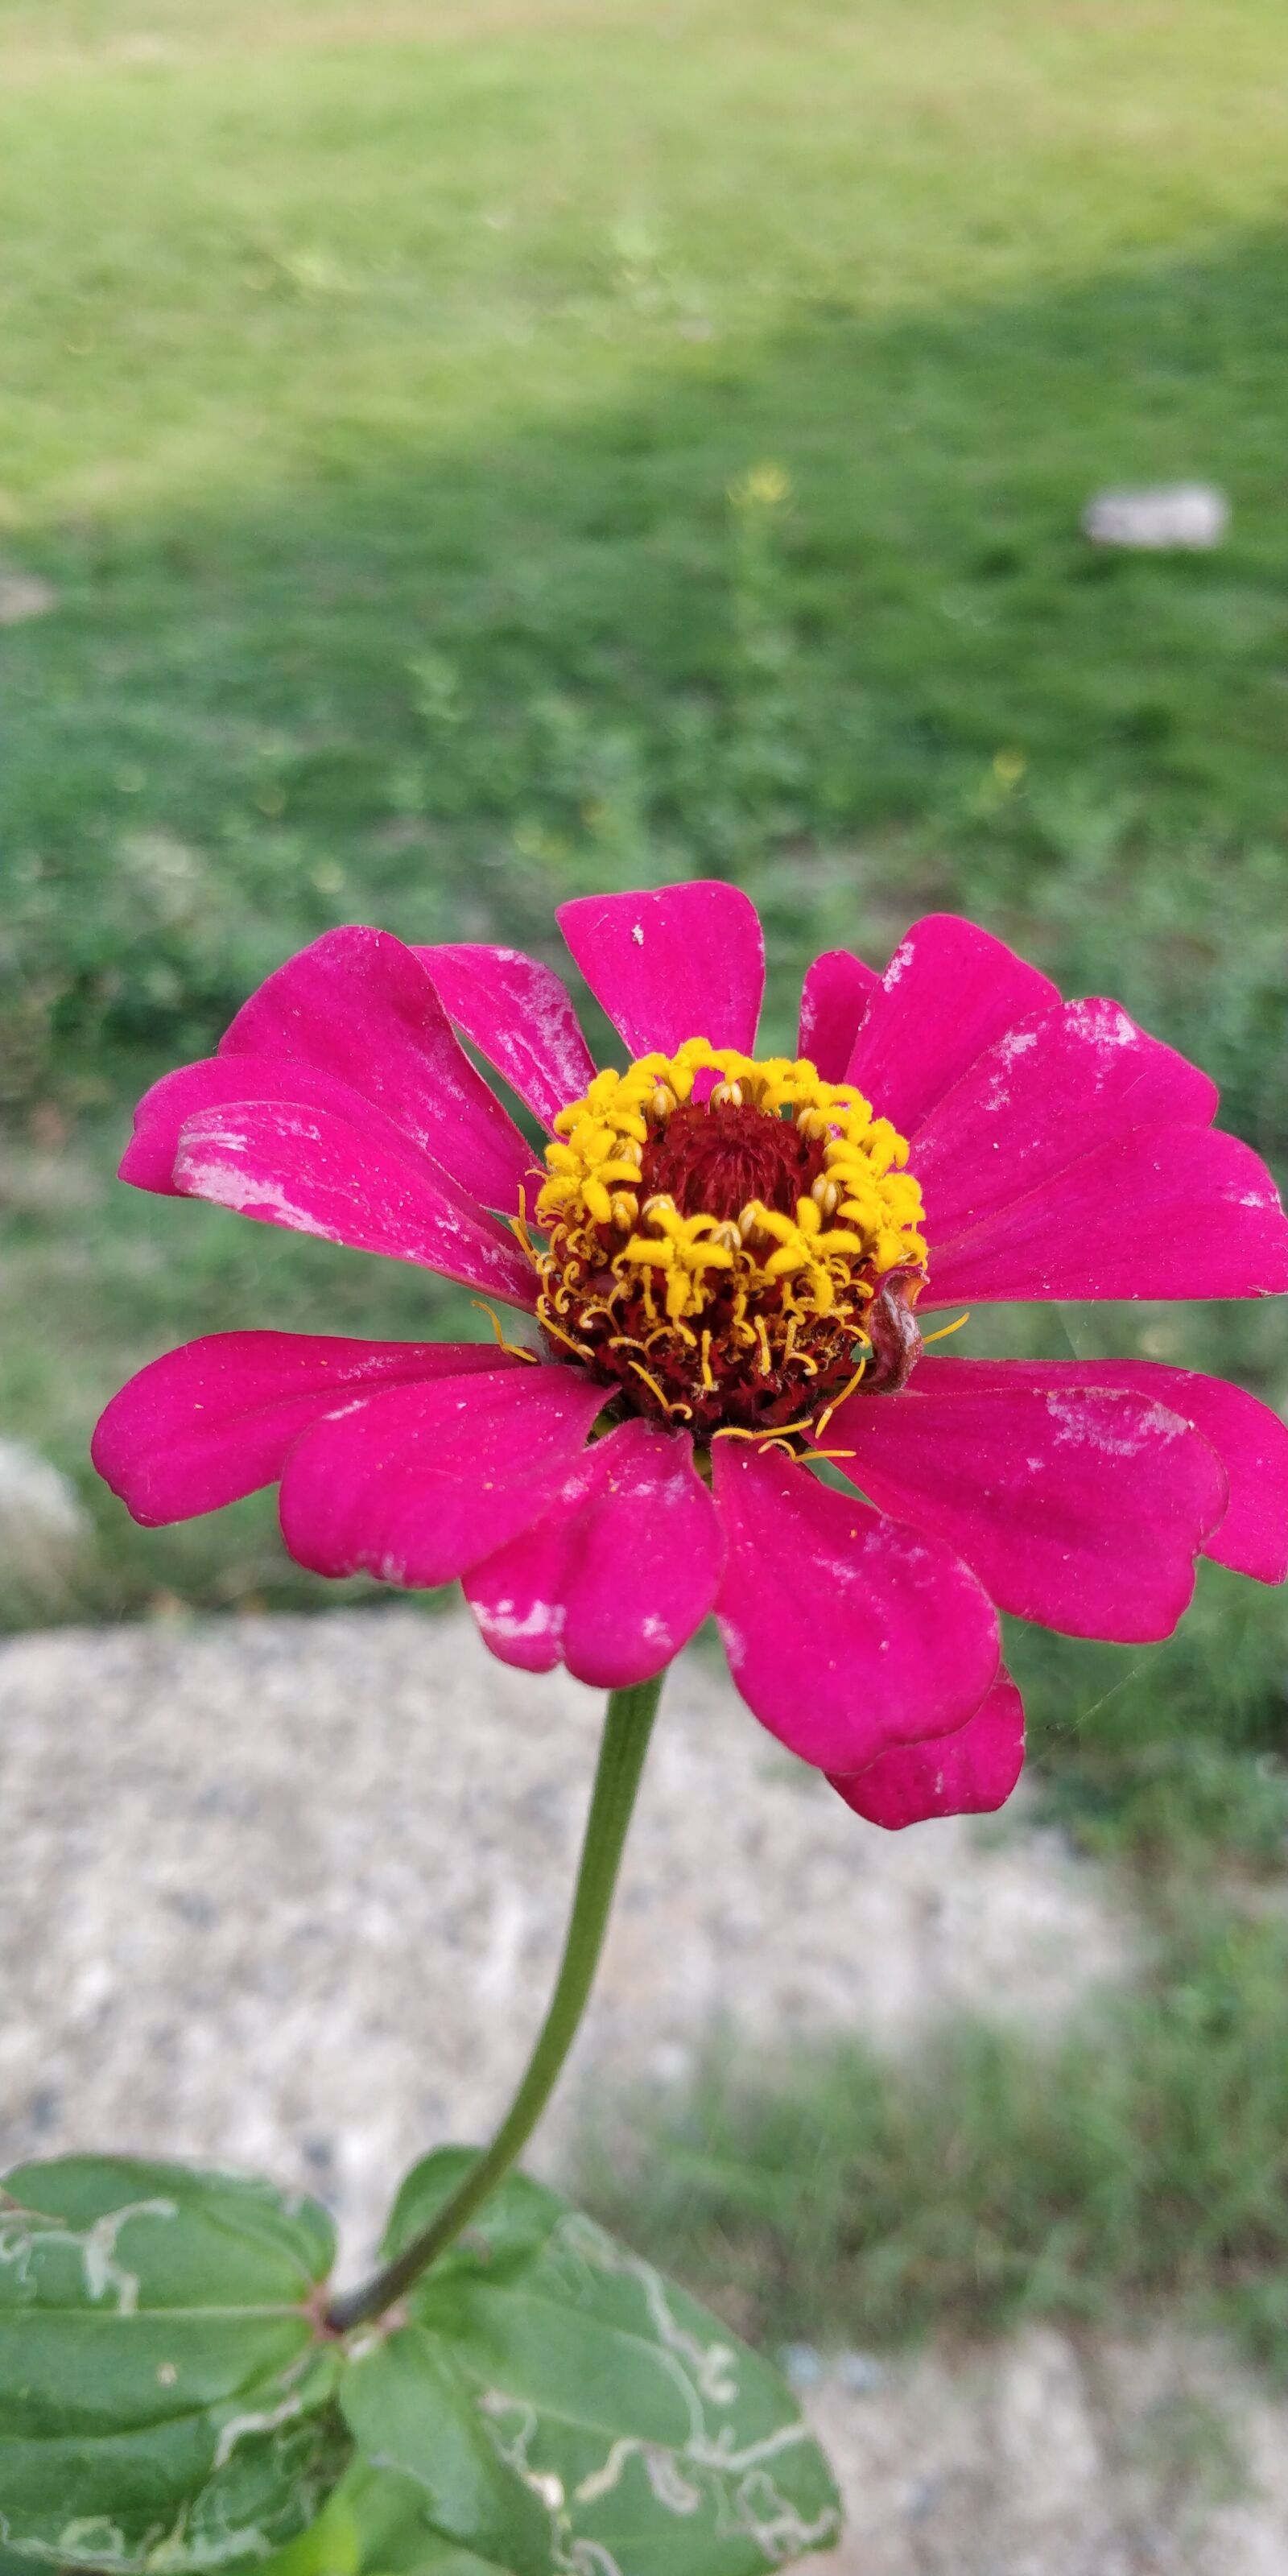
(384, 393)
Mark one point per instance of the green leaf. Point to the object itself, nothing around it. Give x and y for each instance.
(443, 2558)
(409, 2408)
(332, 2546)
(374, 2525)
(165, 2399)
(659, 2444)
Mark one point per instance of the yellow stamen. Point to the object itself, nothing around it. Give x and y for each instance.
(946, 1329)
(656, 1249)
(517, 1350)
(813, 1123)
(828, 1410)
(667, 1406)
(781, 1431)
(582, 1350)
(668, 1333)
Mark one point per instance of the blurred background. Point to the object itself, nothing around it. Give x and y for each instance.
(456, 454)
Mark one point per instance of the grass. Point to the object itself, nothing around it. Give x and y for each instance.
(988, 2179)
(375, 401)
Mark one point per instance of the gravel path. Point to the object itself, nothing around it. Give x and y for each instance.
(1042, 2458)
(289, 1892)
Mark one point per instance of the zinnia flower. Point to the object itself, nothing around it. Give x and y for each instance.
(729, 1261)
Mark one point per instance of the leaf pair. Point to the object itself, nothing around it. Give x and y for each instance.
(543, 2402)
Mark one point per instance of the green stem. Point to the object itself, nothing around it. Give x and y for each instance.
(627, 1727)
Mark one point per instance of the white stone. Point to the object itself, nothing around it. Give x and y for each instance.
(1193, 515)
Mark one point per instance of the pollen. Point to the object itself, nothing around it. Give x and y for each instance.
(730, 1243)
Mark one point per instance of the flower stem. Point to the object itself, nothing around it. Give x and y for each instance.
(628, 1724)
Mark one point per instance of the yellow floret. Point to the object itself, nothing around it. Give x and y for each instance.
(594, 1182)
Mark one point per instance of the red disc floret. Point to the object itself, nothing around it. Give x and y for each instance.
(717, 1159)
(744, 1393)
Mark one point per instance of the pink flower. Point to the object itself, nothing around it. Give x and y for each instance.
(729, 1260)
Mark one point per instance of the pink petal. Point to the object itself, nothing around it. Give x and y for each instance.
(314, 1172)
(948, 992)
(1056, 1084)
(362, 1008)
(834, 1005)
(619, 1573)
(684, 961)
(1080, 1507)
(422, 1482)
(971, 1773)
(1162, 1212)
(1250, 1440)
(215, 1081)
(518, 1014)
(204, 1425)
(845, 1632)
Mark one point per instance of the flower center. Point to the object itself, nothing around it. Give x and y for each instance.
(714, 1159)
(731, 1243)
